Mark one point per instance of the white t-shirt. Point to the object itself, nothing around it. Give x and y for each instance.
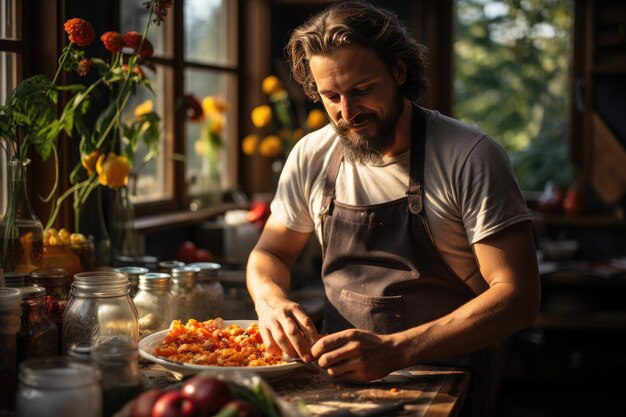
(470, 190)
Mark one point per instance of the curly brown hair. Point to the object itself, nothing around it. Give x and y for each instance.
(364, 24)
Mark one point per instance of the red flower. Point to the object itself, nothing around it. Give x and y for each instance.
(112, 41)
(194, 108)
(83, 66)
(133, 40)
(79, 31)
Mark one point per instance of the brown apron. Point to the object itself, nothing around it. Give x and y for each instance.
(381, 270)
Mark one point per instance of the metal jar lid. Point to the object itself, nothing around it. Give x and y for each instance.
(10, 299)
(208, 270)
(186, 274)
(15, 279)
(32, 291)
(154, 280)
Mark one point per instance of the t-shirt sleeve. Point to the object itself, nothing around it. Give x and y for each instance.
(290, 204)
(490, 197)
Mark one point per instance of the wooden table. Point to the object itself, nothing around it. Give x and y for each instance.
(430, 391)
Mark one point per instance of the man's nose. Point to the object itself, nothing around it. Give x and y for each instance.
(349, 108)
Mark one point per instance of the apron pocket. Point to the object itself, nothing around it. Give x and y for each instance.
(378, 314)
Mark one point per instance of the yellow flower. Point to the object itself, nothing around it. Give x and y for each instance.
(271, 146)
(212, 104)
(113, 170)
(271, 85)
(89, 162)
(261, 115)
(217, 124)
(250, 144)
(316, 119)
(144, 108)
(200, 147)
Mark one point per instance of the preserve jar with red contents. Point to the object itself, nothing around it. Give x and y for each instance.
(56, 283)
(38, 336)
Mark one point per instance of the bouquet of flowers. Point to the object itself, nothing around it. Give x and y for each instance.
(277, 123)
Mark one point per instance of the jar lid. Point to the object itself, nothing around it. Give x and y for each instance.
(101, 283)
(10, 298)
(32, 291)
(49, 273)
(132, 271)
(169, 265)
(57, 372)
(208, 270)
(15, 279)
(154, 280)
(185, 274)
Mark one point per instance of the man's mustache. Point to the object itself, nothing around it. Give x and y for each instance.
(345, 125)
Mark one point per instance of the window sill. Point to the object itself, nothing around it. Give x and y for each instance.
(161, 222)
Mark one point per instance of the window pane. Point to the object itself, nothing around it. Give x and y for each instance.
(202, 84)
(8, 81)
(134, 16)
(211, 31)
(153, 181)
(511, 78)
(8, 21)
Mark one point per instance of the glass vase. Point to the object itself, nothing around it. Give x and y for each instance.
(123, 234)
(89, 220)
(21, 231)
(212, 191)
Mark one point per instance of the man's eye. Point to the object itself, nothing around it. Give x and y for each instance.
(333, 97)
(363, 90)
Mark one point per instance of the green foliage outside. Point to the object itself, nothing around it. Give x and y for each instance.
(511, 78)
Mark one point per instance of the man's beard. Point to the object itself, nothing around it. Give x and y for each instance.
(365, 149)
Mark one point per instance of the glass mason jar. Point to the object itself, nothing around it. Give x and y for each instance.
(10, 312)
(118, 362)
(187, 294)
(57, 386)
(133, 273)
(155, 303)
(38, 336)
(212, 289)
(21, 231)
(100, 308)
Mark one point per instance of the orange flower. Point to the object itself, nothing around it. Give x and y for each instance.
(83, 66)
(271, 146)
(261, 115)
(112, 41)
(316, 119)
(250, 144)
(132, 39)
(79, 31)
(271, 84)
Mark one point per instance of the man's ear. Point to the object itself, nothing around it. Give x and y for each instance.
(399, 71)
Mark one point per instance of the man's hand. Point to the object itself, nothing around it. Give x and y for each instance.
(356, 355)
(285, 327)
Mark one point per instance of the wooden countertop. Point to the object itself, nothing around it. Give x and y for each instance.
(429, 391)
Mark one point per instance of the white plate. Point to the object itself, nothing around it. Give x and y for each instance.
(269, 372)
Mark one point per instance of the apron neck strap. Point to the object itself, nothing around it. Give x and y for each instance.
(416, 170)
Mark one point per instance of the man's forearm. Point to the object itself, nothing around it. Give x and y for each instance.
(267, 277)
(488, 318)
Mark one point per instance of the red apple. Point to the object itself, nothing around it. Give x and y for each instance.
(204, 255)
(173, 404)
(187, 252)
(142, 406)
(208, 392)
(239, 408)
